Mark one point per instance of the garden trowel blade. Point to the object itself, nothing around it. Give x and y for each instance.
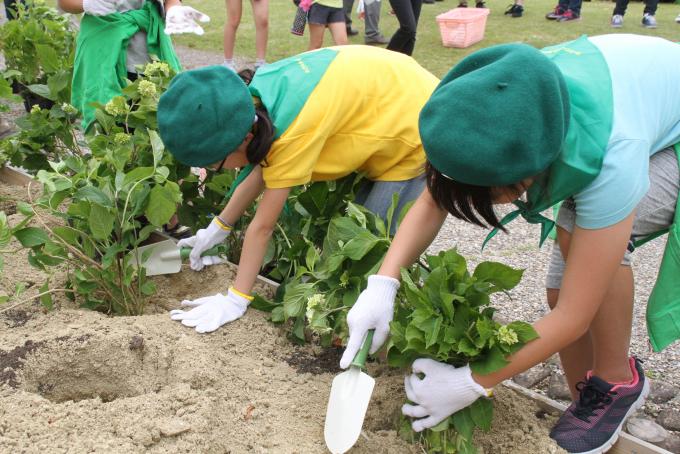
(350, 394)
(165, 258)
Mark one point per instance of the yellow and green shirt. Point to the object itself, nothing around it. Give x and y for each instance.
(342, 110)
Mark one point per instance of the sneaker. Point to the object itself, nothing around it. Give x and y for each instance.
(592, 424)
(380, 39)
(351, 31)
(677, 18)
(480, 5)
(462, 5)
(555, 14)
(568, 16)
(617, 21)
(648, 21)
(514, 11)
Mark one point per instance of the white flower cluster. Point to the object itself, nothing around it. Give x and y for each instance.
(116, 108)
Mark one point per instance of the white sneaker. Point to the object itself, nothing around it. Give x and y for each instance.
(677, 19)
(617, 21)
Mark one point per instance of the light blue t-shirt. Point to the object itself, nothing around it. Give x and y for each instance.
(645, 74)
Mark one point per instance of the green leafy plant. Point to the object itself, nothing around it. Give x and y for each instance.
(316, 300)
(39, 47)
(108, 200)
(444, 313)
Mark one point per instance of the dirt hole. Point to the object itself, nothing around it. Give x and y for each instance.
(105, 368)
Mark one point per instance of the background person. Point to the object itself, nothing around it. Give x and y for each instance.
(598, 139)
(354, 109)
(261, 17)
(648, 19)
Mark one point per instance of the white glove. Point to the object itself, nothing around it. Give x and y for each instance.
(182, 19)
(99, 7)
(444, 390)
(204, 239)
(211, 312)
(373, 310)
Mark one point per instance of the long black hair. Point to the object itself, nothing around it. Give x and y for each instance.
(263, 129)
(469, 202)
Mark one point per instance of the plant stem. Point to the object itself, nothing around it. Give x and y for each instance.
(26, 300)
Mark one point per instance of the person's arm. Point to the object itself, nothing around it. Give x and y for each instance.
(416, 232)
(257, 238)
(71, 6)
(246, 193)
(593, 259)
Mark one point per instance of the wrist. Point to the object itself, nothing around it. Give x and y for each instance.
(384, 286)
(480, 387)
(241, 295)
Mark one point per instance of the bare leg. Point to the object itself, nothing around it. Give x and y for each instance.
(577, 358)
(234, 9)
(339, 33)
(261, 15)
(604, 348)
(316, 36)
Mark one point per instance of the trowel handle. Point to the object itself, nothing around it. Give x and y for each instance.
(360, 358)
(185, 251)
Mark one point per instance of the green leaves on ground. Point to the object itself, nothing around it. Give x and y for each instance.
(443, 313)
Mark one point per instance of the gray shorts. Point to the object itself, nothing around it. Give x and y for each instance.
(654, 212)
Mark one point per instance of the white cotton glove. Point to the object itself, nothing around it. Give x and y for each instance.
(373, 310)
(99, 7)
(444, 390)
(211, 312)
(182, 19)
(204, 239)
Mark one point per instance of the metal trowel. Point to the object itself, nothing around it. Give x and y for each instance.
(165, 257)
(350, 393)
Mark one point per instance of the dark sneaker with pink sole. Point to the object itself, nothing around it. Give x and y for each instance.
(592, 424)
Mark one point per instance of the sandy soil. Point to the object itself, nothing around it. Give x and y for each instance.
(79, 381)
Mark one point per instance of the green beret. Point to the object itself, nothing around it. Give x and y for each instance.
(205, 115)
(498, 117)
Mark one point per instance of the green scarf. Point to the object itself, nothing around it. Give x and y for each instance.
(590, 123)
(99, 72)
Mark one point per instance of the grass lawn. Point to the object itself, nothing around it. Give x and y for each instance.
(533, 28)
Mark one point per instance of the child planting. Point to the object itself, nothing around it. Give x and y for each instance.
(317, 116)
(578, 124)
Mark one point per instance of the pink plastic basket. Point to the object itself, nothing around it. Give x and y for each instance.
(462, 27)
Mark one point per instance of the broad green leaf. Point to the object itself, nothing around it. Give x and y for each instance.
(432, 327)
(295, 299)
(358, 247)
(482, 413)
(491, 362)
(31, 236)
(138, 174)
(161, 205)
(525, 332)
(48, 58)
(41, 90)
(463, 423)
(502, 276)
(157, 146)
(100, 222)
(93, 195)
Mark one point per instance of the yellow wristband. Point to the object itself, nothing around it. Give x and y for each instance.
(223, 225)
(489, 392)
(242, 295)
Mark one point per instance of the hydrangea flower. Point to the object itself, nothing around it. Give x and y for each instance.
(147, 88)
(156, 68)
(507, 335)
(121, 138)
(35, 108)
(115, 108)
(69, 109)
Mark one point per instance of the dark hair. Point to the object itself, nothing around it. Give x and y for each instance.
(469, 202)
(263, 129)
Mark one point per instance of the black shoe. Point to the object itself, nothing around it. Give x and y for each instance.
(462, 5)
(480, 5)
(429, 2)
(352, 31)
